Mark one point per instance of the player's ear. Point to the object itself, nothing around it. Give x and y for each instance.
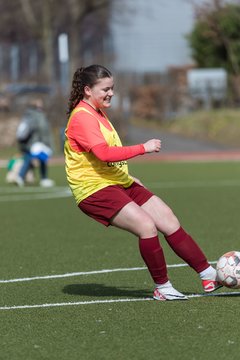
(87, 90)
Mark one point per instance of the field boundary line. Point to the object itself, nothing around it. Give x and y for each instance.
(32, 189)
(34, 193)
(176, 156)
(188, 156)
(109, 301)
(85, 273)
(184, 156)
(193, 184)
(168, 156)
(38, 195)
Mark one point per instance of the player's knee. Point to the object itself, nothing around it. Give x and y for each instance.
(172, 222)
(170, 216)
(147, 228)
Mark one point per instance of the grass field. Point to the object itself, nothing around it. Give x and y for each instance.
(72, 289)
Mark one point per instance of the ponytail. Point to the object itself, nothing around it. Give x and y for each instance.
(77, 91)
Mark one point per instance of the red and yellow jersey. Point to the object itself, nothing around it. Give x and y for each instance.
(86, 174)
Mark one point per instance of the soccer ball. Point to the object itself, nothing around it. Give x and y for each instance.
(228, 269)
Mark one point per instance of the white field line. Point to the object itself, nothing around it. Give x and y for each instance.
(194, 184)
(85, 273)
(34, 197)
(31, 189)
(92, 302)
(67, 275)
(110, 301)
(36, 193)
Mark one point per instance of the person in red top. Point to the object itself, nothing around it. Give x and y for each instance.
(97, 172)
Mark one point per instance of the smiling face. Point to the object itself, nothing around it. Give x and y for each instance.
(99, 95)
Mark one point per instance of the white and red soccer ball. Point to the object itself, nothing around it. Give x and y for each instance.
(228, 269)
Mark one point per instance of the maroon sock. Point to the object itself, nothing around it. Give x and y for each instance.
(153, 256)
(186, 248)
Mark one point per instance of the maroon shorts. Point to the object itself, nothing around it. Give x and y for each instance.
(105, 203)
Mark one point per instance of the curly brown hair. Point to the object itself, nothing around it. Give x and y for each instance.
(85, 76)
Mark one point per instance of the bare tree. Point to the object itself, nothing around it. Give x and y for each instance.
(80, 14)
(41, 21)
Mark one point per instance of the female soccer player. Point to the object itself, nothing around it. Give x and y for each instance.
(97, 172)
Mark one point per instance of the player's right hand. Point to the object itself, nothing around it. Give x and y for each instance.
(153, 145)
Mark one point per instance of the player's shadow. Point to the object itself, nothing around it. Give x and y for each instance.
(99, 290)
(213, 294)
(226, 294)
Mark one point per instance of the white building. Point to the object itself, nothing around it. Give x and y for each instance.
(151, 34)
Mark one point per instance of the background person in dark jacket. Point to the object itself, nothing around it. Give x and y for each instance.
(35, 142)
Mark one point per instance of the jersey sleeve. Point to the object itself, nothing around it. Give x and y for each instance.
(117, 153)
(85, 131)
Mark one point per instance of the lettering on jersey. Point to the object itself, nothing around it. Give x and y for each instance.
(118, 164)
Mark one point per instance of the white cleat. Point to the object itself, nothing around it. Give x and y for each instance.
(19, 181)
(47, 183)
(168, 293)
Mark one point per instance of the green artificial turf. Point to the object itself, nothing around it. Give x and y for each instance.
(44, 235)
